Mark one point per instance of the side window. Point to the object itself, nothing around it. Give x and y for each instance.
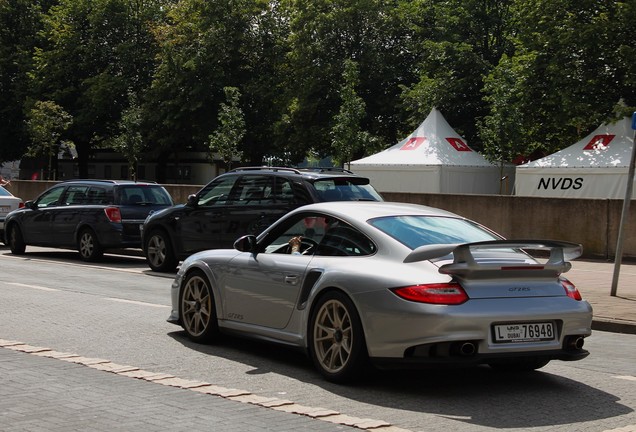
(217, 192)
(76, 195)
(341, 239)
(283, 191)
(254, 190)
(322, 236)
(97, 195)
(309, 228)
(50, 198)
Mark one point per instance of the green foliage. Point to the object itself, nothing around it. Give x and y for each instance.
(129, 142)
(225, 140)
(93, 52)
(20, 21)
(512, 76)
(347, 136)
(46, 123)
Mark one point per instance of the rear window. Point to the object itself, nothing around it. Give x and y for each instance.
(144, 195)
(416, 231)
(346, 189)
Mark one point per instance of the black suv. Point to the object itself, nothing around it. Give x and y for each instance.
(242, 201)
(88, 215)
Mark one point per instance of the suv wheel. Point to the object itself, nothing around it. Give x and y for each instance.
(159, 253)
(88, 246)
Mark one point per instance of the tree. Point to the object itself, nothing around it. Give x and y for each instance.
(46, 123)
(347, 137)
(226, 139)
(323, 34)
(129, 142)
(455, 44)
(93, 52)
(20, 22)
(569, 75)
(204, 47)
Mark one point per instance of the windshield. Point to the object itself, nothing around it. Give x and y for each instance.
(416, 231)
(346, 189)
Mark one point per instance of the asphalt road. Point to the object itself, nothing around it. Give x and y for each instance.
(117, 310)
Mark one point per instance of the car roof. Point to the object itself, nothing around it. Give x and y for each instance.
(364, 210)
(309, 173)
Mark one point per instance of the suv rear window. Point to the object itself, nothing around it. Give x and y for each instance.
(346, 189)
(143, 194)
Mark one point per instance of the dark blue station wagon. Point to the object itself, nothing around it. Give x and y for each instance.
(88, 215)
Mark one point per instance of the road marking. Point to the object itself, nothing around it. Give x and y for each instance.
(37, 287)
(140, 303)
(626, 377)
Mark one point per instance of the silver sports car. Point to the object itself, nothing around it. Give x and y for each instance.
(388, 284)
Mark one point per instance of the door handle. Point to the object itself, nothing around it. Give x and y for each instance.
(291, 279)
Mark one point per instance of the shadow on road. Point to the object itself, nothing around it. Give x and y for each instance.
(476, 396)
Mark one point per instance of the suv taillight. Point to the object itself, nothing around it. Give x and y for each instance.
(440, 293)
(113, 214)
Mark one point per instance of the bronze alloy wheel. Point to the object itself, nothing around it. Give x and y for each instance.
(336, 337)
(198, 316)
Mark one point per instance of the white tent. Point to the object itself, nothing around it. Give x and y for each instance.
(594, 167)
(433, 159)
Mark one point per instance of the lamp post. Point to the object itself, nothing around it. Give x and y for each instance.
(625, 213)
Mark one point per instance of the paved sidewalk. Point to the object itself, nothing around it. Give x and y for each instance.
(51, 395)
(594, 281)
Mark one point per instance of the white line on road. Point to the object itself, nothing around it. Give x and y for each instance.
(37, 287)
(626, 377)
(136, 302)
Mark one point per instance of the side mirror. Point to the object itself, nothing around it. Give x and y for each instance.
(193, 200)
(246, 243)
(30, 205)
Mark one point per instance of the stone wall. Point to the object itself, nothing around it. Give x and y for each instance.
(592, 222)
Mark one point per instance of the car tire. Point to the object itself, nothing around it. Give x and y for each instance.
(197, 308)
(336, 339)
(526, 365)
(88, 246)
(159, 253)
(16, 241)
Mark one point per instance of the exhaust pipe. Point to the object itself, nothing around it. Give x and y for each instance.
(575, 343)
(467, 349)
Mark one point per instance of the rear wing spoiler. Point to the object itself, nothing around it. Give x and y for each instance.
(465, 264)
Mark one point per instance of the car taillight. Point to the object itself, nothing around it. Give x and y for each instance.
(21, 205)
(440, 293)
(570, 289)
(113, 214)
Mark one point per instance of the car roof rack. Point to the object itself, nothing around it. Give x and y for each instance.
(327, 169)
(266, 168)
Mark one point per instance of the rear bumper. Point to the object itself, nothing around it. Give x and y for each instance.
(415, 362)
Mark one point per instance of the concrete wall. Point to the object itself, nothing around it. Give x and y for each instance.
(592, 222)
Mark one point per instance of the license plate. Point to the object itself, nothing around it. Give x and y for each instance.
(5, 209)
(524, 332)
